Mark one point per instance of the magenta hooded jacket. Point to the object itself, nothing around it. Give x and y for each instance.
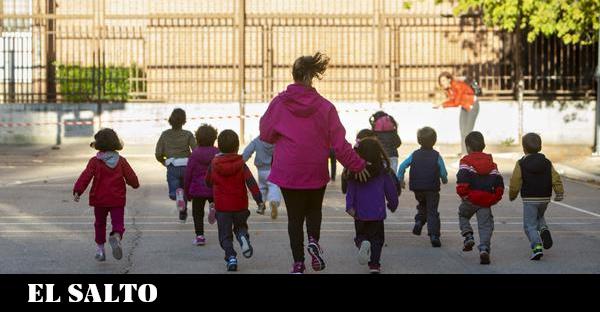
(303, 125)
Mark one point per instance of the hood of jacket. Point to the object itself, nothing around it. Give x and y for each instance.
(482, 163)
(300, 100)
(534, 163)
(111, 159)
(203, 155)
(228, 164)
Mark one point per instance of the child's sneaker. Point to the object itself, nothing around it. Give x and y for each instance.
(212, 213)
(115, 244)
(247, 249)
(232, 264)
(537, 252)
(200, 240)
(468, 243)
(417, 228)
(484, 257)
(364, 253)
(183, 216)
(315, 251)
(261, 209)
(374, 268)
(546, 238)
(100, 254)
(435, 241)
(179, 199)
(298, 268)
(274, 205)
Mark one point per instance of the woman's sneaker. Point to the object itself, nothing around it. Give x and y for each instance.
(468, 243)
(200, 240)
(247, 249)
(374, 268)
(212, 213)
(115, 244)
(484, 257)
(274, 205)
(546, 238)
(232, 264)
(537, 252)
(100, 254)
(364, 252)
(298, 268)
(315, 251)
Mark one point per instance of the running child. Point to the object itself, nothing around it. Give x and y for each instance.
(229, 177)
(480, 186)
(263, 159)
(386, 130)
(108, 172)
(172, 150)
(195, 186)
(534, 177)
(427, 168)
(366, 203)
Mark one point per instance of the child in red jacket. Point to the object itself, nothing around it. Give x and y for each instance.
(229, 176)
(480, 186)
(110, 172)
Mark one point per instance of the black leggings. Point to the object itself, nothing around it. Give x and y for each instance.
(301, 205)
(198, 213)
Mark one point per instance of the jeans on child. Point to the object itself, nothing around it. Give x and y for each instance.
(117, 219)
(533, 221)
(485, 223)
(427, 211)
(269, 191)
(175, 177)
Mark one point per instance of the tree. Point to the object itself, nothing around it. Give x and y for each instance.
(573, 21)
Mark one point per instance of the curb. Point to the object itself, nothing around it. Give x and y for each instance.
(576, 174)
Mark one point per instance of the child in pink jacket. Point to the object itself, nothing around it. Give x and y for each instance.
(303, 125)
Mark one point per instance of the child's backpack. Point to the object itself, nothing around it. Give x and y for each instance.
(472, 82)
(381, 121)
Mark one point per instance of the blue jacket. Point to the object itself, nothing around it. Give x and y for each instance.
(426, 169)
(369, 199)
(264, 154)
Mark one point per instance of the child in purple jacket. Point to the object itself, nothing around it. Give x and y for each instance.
(366, 202)
(194, 181)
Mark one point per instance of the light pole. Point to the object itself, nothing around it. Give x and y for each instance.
(597, 124)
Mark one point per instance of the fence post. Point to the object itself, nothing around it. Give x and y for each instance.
(597, 124)
(241, 24)
(379, 46)
(51, 52)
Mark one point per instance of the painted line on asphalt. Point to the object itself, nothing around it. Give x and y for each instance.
(255, 231)
(391, 216)
(21, 182)
(577, 209)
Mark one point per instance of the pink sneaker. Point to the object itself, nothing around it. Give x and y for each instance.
(199, 240)
(315, 251)
(212, 214)
(179, 199)
(298, 268)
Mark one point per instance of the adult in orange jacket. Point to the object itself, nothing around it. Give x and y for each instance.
(460, 94)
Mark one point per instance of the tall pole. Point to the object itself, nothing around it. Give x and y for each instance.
(51, 52)
(597, 75)
(241, 23)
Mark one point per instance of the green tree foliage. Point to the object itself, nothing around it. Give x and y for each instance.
(574, 21)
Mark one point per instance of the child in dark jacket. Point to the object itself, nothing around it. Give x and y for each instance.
(534, 177)
(109, 172)
(229, 176)
(366, 203)
(427, 168)
(480, 186)
(386, 130)
(194, 182)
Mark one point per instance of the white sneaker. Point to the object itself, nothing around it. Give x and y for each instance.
(115, 244)
(364, 253)
(100, 255)
(247, 249)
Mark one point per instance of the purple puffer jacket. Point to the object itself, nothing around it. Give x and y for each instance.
(194, 183)
(304, 126)
(368, 199)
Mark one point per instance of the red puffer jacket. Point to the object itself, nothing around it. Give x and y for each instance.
(108, 188)
(479, 181)
(228, 176)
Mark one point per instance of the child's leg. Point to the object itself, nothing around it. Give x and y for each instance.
(433, 216)
(117, 219)
(377, 238)
(421, 215)
(225, 225)
(172, 181)
(361, 233)
(465, 212)
(100, 224)
(198, 214)
(295, 205)
(531, 224)
(541, 219)
(181, 176)
(485, 222)
(240, 224)
(314, 213)
(263, 183)
(394, 163)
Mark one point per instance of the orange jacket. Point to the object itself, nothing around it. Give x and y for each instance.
(460, 94)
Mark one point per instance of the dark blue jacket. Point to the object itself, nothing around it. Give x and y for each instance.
(426, 169)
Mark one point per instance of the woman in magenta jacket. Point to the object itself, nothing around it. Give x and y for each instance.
(303, 125)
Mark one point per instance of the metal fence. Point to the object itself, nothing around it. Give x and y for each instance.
(242, 51)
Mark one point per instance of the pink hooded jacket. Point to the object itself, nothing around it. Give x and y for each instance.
(304, 126)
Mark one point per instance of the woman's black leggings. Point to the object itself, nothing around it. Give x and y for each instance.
(198, 213)
(301, 205)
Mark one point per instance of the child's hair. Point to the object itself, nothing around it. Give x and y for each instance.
(379, 124)
(107, 140)
(371, 151)
(532, 143)
(177, 119)
(475, 142)
(426, 137)
(228, 141)
(444, 74)
(308, 67)
(365, 133)
(206, 135)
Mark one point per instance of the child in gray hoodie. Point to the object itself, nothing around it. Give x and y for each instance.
(262, 161)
